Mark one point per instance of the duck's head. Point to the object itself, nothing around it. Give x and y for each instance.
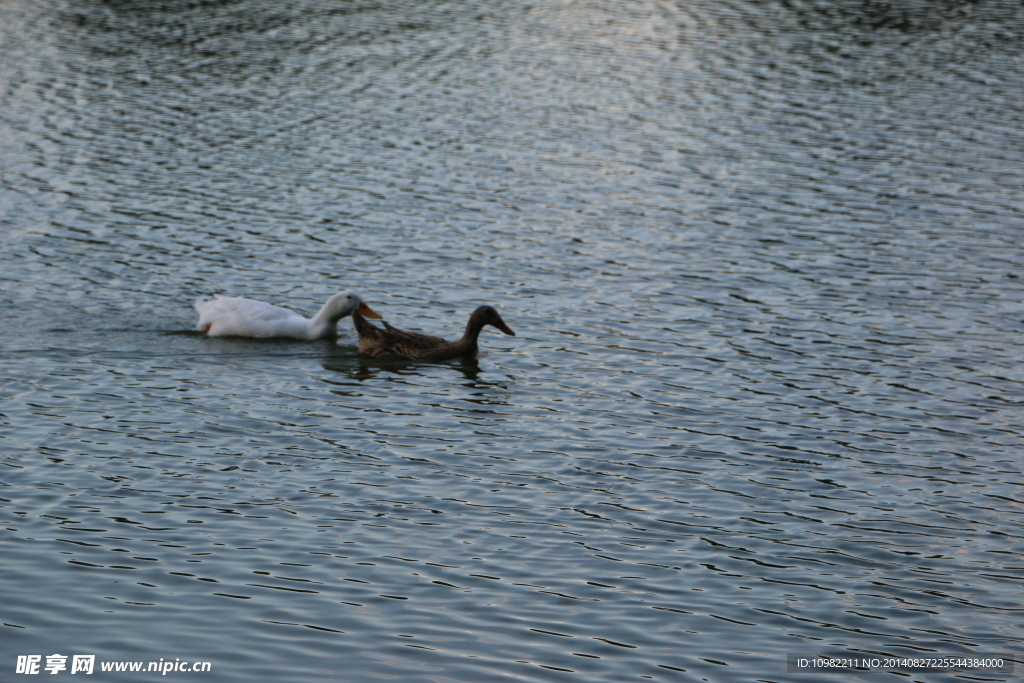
(488, 315)
(346, 303)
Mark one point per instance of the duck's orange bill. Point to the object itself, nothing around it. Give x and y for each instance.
(368, 312)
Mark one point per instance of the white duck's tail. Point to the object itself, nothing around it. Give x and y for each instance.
(206, 309)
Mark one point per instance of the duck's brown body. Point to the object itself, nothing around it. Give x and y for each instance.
(392, 342)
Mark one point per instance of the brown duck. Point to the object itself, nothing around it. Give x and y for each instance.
(378, 343)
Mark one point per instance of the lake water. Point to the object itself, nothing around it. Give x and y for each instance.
(763, 260)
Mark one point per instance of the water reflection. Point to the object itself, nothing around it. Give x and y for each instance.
(362, 368)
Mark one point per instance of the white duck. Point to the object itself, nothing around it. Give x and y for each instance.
(233, 316)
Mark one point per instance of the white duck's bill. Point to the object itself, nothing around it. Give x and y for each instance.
(368, 312)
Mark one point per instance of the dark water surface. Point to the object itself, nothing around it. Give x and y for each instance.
(763, 260)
